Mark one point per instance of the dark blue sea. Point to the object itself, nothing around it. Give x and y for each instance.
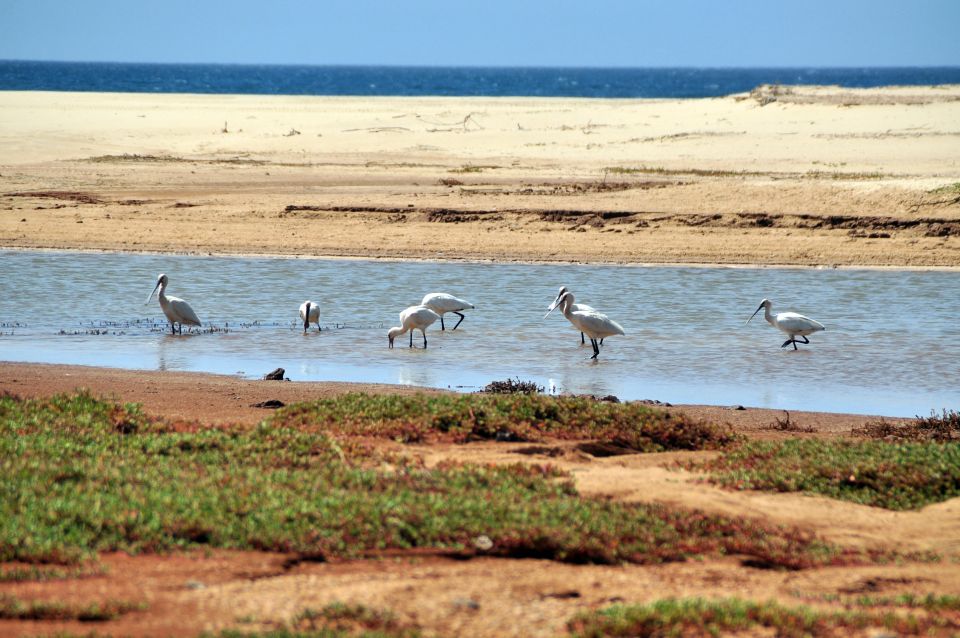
(454, 81)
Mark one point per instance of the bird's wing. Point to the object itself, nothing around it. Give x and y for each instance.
(184, 312)
(442, 302)
(791, 321)
(596, 324)
(423, 316)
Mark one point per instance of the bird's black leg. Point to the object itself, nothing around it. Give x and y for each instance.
(461, 318)
(582, 340)
(805, 340)
(596, 348)
(411, 337)
(601, 342)
(787, 342)
(442, 327)
(424, 338)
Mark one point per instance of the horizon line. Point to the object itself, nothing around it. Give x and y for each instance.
(493, 66)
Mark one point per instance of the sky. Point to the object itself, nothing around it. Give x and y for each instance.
(587, 33)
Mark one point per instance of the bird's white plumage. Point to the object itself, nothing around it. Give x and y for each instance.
(309, 313)
(595, 325)
(413, 318)
(793, 324)
(442, 303)
(175, 309)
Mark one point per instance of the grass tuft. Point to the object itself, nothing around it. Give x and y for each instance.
(698, 617)
(786, 425)
(897, 476)
(12, 608)
(938, 428)
(352, 620)
(461, 418)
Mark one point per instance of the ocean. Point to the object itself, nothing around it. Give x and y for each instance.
(441, 81)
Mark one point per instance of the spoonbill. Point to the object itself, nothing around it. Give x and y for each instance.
(310, 313)
(789, 322)
(413, 318)
(595, 325)
(441, 302)
(177, 310)
(575, 307)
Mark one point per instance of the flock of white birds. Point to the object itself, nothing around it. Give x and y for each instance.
(588, 320)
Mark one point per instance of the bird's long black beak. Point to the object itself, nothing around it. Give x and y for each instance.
(151, 294)
(306, 319)
(753, 315)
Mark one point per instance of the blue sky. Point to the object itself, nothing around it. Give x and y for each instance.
(717, 33)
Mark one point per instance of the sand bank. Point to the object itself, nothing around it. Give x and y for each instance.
(801, 176)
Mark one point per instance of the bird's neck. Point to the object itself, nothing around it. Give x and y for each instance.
(769, 316)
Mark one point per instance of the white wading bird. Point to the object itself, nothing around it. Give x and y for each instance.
(575, 307)
(177, 310)
(310, 313)
(595, 325)
(789, 322)
(413, 318)
(441, 302)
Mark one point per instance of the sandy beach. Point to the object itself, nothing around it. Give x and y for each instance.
(813, 176)
(799, 176)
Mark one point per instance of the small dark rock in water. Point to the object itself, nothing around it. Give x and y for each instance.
(276, 375)
(270, 404)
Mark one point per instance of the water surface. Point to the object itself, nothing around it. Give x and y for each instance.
(268, 79)
(891, 345)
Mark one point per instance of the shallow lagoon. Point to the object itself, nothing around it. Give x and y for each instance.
(892, 345)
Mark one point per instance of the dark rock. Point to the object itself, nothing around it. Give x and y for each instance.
(270, 404)
(276, 375)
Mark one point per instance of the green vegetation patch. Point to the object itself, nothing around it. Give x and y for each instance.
(82, 475)
(698, 617)
(897, 476)
(12, 608)
(39, 573)
(524, 417)
(927, 602)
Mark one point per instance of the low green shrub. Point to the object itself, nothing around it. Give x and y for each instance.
(898, 476)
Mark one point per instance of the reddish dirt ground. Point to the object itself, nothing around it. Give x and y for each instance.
(186, 594)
